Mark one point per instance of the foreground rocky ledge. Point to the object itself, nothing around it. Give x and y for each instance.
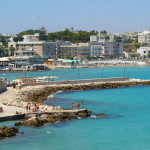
(40, 120)
(8, 132)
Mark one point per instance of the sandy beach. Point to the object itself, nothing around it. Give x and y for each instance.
(9, 110)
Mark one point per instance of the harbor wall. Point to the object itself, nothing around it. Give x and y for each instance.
(13, 117)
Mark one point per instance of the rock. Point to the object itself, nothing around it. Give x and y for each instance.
(89, 112)
(18, 123)
(7, 132)
(72, 116)
(101, 115)
(83, 115)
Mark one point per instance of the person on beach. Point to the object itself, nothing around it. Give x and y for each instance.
(82, 104)
(27, 107)
(71, 106)
(14, 85)
(1, 109)
(78, 105)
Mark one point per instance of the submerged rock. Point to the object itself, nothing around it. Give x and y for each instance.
(101, 115)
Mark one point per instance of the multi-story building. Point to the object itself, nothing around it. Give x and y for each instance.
(108, 46)
(80, 51)
(96, 50)
(144, 37)
(42, 48)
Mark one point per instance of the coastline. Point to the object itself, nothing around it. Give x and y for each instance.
(16, 100)
(75, 67)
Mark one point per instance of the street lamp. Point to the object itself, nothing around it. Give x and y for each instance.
(53, 73)
(102, 72)
(78, 73)
(124, 73)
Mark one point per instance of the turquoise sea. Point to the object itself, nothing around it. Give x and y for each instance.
(141, 72)
(126, 128)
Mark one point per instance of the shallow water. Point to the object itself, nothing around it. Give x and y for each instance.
(127, 128)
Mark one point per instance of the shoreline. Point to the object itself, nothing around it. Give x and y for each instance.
(16, 100)
(75, 67)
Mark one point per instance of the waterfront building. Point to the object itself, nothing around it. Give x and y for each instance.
(77, 51)
(96, 50)
(23, 61)
(143, 51)
(110, 47)
(30, 44)
(62, 63)
(4, 62)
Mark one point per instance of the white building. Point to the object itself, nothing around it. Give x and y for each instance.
(143, 51)
(144, 37)
(108, 45)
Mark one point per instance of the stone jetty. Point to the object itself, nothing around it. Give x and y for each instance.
(41, 92)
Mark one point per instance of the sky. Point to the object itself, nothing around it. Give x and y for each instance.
(115, 16)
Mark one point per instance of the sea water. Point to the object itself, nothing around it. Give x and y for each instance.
(126, 128)
(140, 72)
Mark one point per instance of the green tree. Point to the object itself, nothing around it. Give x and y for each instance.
(137, 45)
(52, 37)
(18, 38)
(42, 34)
(11, 50)
(2, 52)
(135, 55)
(103, 32)
(93, 32)
(111, 56)
(129, 41)
(118, 39)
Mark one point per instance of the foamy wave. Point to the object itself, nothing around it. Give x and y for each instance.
(93, 116)
(52, 95)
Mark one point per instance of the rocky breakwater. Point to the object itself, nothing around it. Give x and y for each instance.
(41, 92)
(54, 118)
(8, 132)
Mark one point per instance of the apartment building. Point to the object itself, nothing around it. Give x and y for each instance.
(107, 45)
(80, 51)
(31, 45)
(144, 37)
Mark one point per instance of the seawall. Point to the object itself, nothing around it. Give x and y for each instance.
(12, 117)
